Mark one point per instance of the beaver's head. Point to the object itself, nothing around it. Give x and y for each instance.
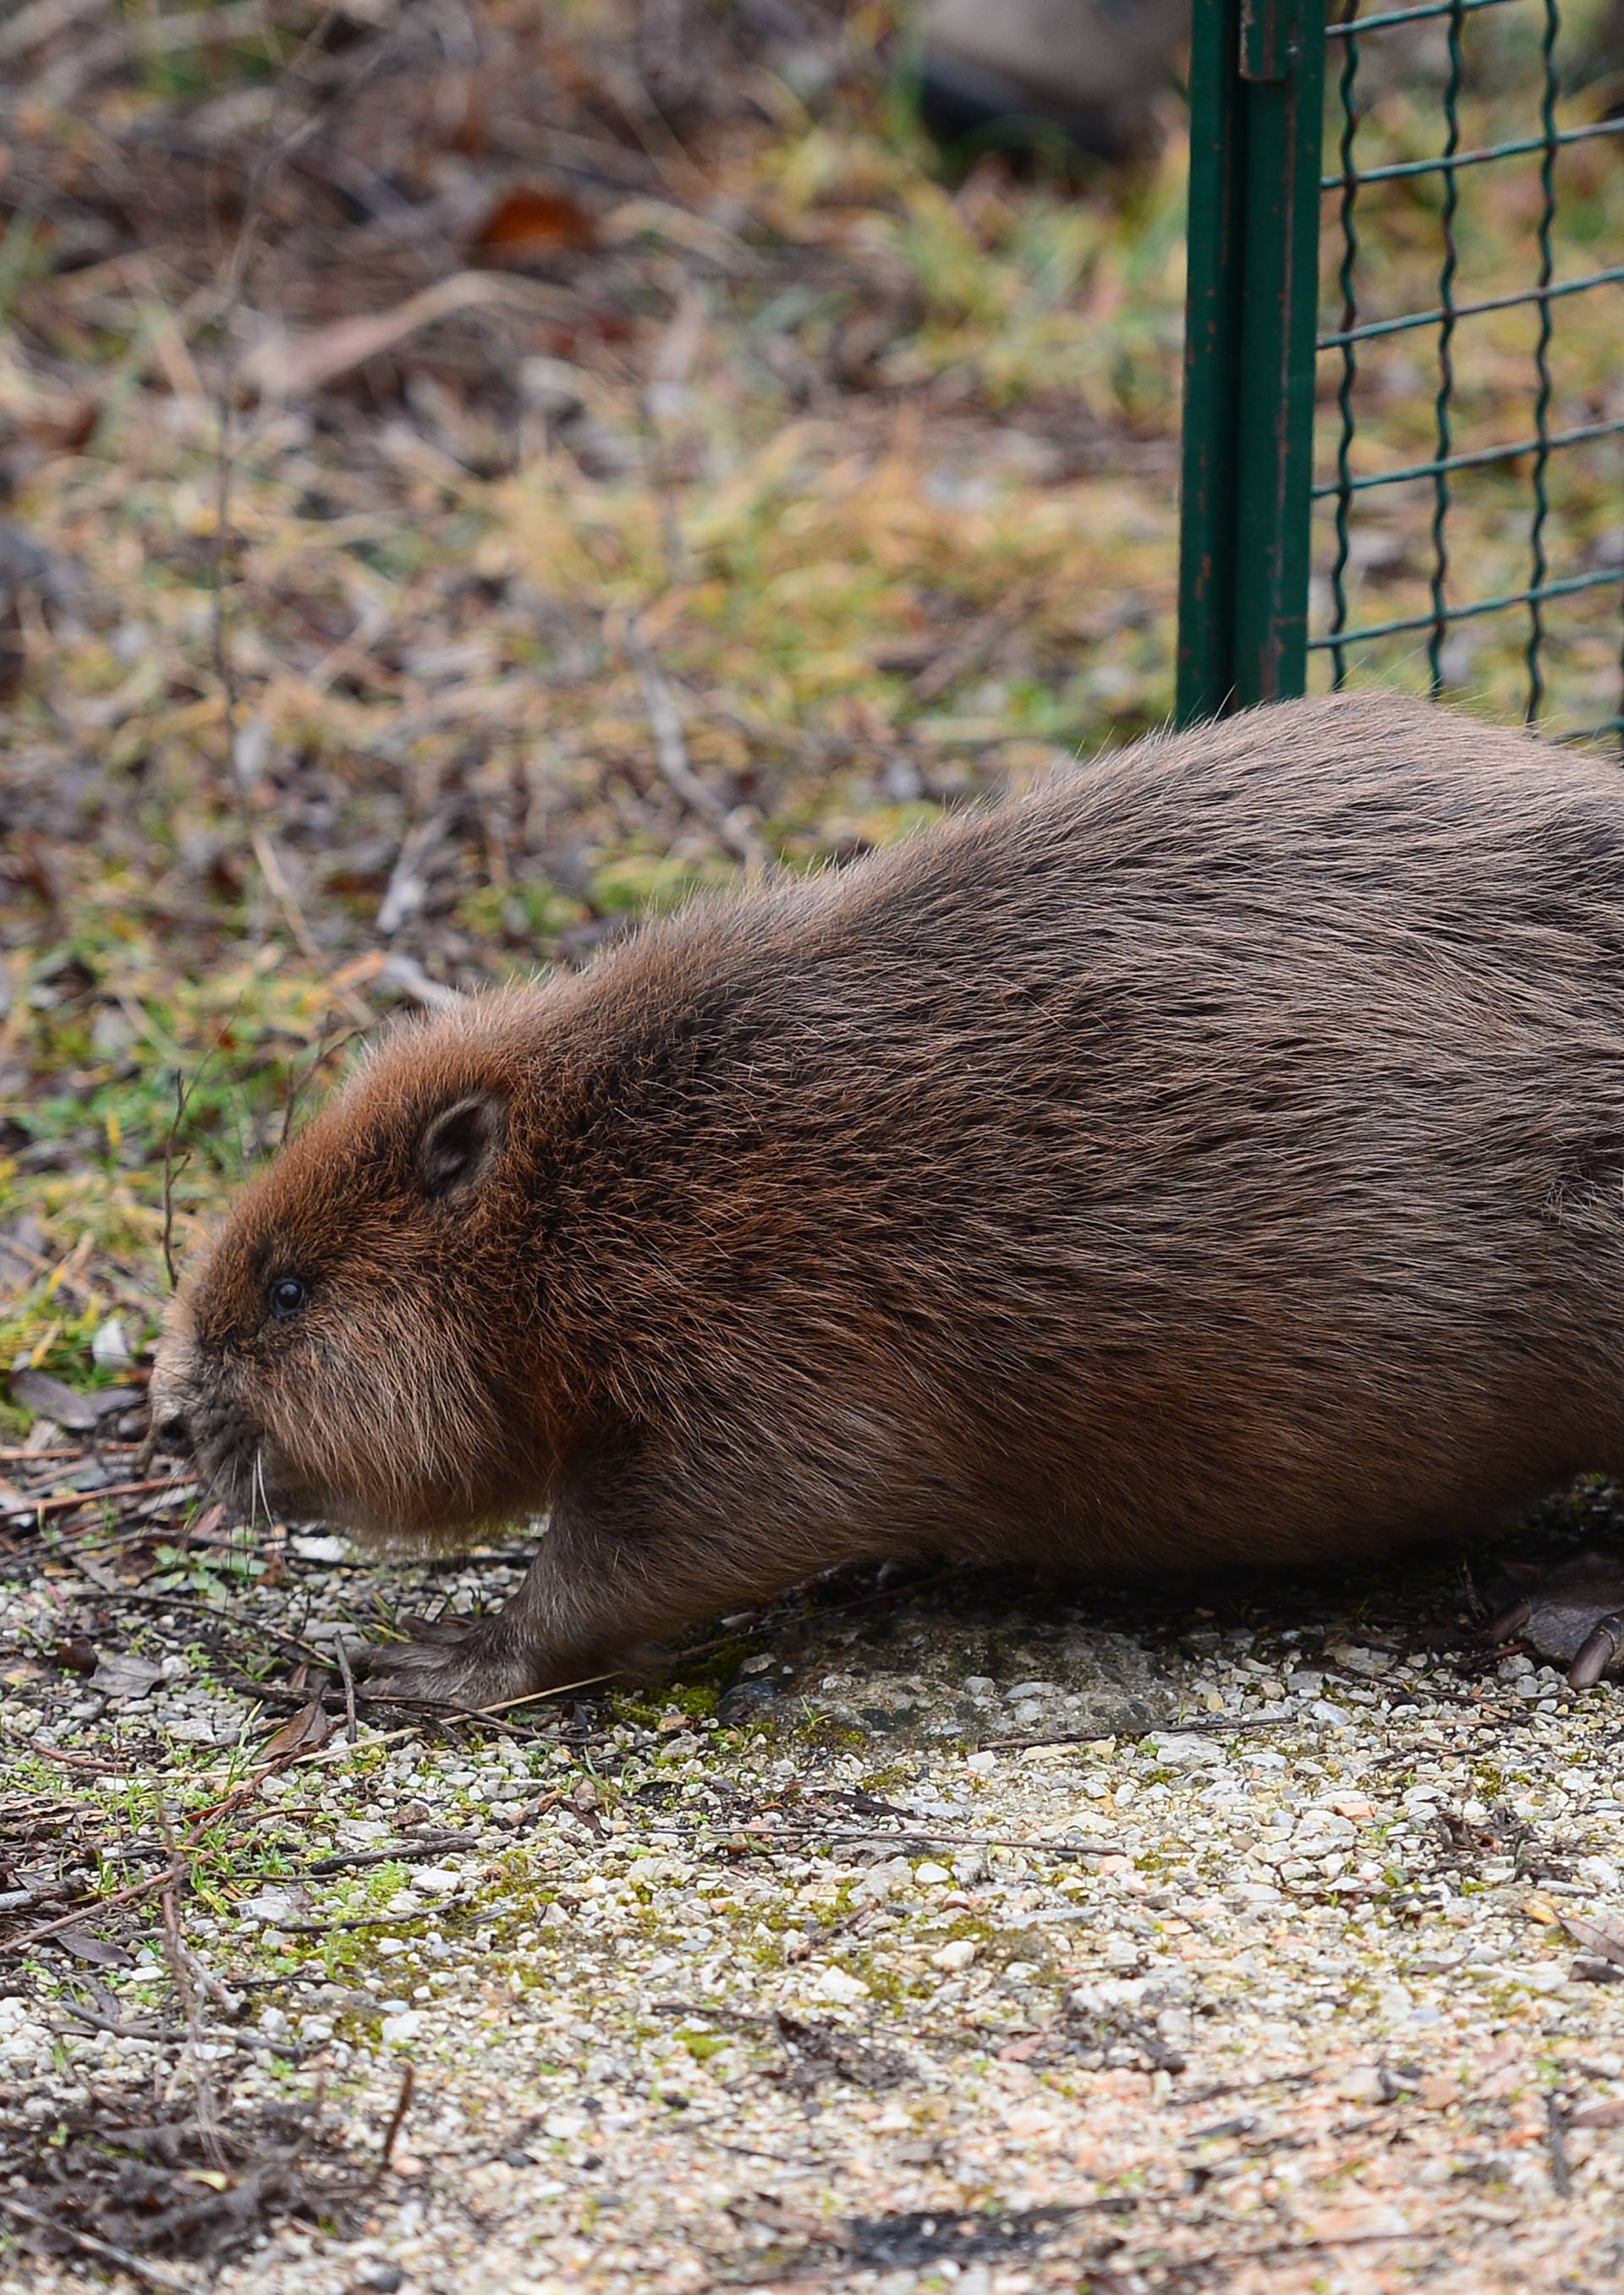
(359, 1340)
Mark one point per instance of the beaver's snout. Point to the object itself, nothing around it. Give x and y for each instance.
(223, 1442)
(366, 1427)
(225, 1447)
(170, 1399)
(174, 1433)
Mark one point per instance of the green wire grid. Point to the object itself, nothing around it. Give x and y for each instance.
(1275, 84)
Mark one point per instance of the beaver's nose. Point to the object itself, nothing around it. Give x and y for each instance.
(174, 1432)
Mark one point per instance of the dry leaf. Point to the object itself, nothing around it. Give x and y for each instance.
(304, 1732)
(528, 222)
(95, 1949)
(124, 1677)
(39, 1391)
(1602, 1936)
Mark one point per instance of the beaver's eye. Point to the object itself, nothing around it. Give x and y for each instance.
(288, 1295)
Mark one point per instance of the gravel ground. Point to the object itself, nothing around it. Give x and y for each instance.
(814, 1965)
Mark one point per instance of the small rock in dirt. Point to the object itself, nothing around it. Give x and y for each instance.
(1600, 1872)
(111, 1346)
(1191, 1751)
(839, 1984)
(329, 1550)
(272, 1907)
(1354, 1657)
(882, 1881)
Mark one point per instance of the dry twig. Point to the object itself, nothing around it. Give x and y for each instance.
(150, 2274)
(403, 2105)
(731, 823)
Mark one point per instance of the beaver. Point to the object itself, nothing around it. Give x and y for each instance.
(1215, 1155)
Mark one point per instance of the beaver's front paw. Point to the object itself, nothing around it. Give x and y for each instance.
(468, 1662)
(1574, 1616)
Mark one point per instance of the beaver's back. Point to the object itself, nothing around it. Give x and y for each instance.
(1220, 1150)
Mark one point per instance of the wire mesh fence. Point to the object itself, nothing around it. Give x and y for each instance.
(1419, 479)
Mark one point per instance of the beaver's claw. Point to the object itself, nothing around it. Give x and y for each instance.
(1574, 1616)
(458, 1662)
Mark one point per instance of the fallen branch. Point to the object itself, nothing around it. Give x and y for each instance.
(403, 2105)
(20, 1454)
(351, 1728)
(70, 1499)
(286, 366)
(84, 1909)
(149, 2274)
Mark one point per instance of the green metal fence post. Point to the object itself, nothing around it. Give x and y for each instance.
(1212, 366)
(1257, 125)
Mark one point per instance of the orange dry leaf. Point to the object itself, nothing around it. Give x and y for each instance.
(304, 1732)
(67, 423)
(528, 222)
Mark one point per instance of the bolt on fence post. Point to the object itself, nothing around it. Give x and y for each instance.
(1257, 108)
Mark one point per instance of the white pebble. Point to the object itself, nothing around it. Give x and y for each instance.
(839, 1984)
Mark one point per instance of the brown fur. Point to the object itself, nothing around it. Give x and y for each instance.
(1218, 1155)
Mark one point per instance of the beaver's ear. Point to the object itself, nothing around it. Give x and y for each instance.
(459, 1144)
